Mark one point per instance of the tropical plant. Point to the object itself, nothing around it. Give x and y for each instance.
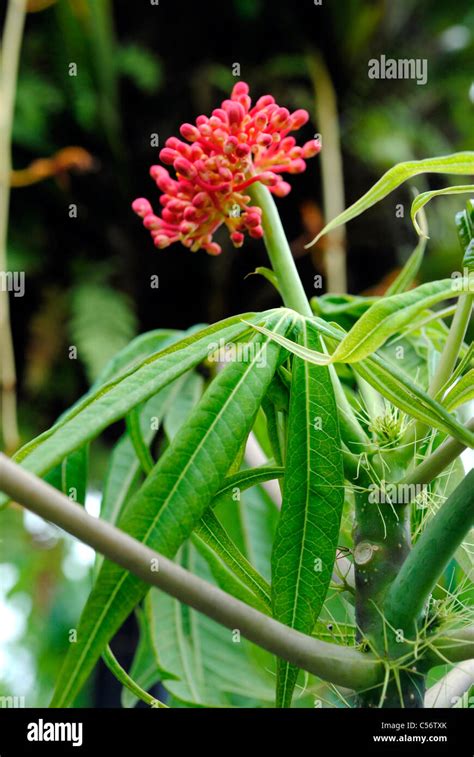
(289, 482)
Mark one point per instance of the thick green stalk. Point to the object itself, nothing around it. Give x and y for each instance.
(279, 251)
(448, 356)
(382, 543)
(431, 554)
(453, 343)
(341, 665)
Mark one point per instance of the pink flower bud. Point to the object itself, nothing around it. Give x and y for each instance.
(173, 143)
(252, 218)
(220, 114)
(299, 118)
(263, 102)
(190, 213)
(261, 120)
(311, 148)
(242, 150)
(187, 228)
(256, 232)
(168, 156)
(161, 241)
(265, 139)
(189, 132)
(268, 178)
(281, 189)
(237, 238)
(200, 200)
(297, 166)
(151, 222)
(280, 118)
(240, 88)
(185, 168)
(168, 216)
(213, 249)
(141, 207)
(234, 111)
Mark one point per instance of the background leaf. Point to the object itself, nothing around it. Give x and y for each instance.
(213, 669)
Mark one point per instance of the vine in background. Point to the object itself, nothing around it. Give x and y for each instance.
(10, 53)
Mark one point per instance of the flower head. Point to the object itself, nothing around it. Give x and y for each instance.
(222, 156)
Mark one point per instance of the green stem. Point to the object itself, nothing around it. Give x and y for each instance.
(431, 554)
(453, 343)
(455, 645)
(279, 251)
(381, 545)
(433, 465)
(341, 665)
(123, 677)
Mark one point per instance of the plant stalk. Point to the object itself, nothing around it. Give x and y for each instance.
(332, 172)
(342, 666)
(453, 343)
(9, 61)
(434, 464)
(279, 251)
(382, 544)
(406, 600)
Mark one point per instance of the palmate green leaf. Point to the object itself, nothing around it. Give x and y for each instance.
(390, 381)
(174, 497)
(460, 163)
(425, 197)
(210, 531)
(108, 403)
(212, 669)
(313, 498)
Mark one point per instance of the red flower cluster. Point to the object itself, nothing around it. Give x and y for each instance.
(224, 154)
